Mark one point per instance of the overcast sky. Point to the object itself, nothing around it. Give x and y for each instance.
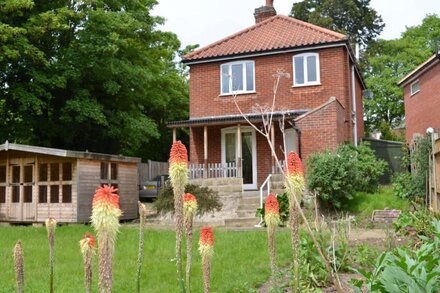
(206, 21)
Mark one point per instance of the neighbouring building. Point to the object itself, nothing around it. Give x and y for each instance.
(321, 99)
(421, 92)
(38, 182)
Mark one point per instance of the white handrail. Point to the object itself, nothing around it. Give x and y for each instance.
(267, 181)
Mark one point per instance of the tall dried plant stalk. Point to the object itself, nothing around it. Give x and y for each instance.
(189, 210)
(105, 221)
(266, 130)
(206, 249)
(179, 178)
(51, 225)
(87, 246)
(142, 223)
(19, 266)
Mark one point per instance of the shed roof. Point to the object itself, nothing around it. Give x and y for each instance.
(275, 33)
(66, 153)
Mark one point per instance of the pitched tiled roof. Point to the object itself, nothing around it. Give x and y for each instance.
(276, 33)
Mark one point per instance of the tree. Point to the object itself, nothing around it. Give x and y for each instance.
(388, 61)
(94, 75)
(354, 18)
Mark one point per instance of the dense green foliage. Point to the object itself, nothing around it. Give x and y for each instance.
(337, 176)
(415, 223)
(412, 186)
(354, 18)
(283, 201)
(387, 62)
(208, 200)
(94, 75)
(406, 270)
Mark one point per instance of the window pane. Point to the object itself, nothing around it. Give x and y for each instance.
(311, 69)
(104, 171)
(225, 79)
(415, 87)
(16, 174)
(2, 194)
(42, 194)
(54, 194)
(250, 76)
(54, 172)
(28, 174)
(299, 70)
(237, 77)
(27, 193)
(230, 147)
(2, 173)
(114, 171)
(42, 173)
(67, 171)
(67, 193)
(15, 194)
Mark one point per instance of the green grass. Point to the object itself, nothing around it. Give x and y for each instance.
(364, 204)
(240, 261)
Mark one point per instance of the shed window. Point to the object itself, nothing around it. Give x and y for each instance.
(415, 87)
(306, 69)
(28, 174)
(2, 194)
(237, 77)
(54, 194)
(42, 194)
(67, 194)
(114, 171)
(104, 170)
(27, 193)
(16, 174)
(54, 172)
(67, 171)
(15, 194)
(42, 172)
(2, 173)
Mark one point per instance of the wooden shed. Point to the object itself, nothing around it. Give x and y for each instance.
(38, 182)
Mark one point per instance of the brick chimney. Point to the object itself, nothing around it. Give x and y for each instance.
(264, 12)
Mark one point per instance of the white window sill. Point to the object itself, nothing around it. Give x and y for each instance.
(306, 84)
(412, 94)
(237, 93)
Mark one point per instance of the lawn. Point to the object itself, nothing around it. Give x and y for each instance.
(363, 204)
(240, 261)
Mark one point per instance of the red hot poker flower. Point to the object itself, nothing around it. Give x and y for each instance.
(178, 153)
(188, 197)
(294, 164)
(272, 206)
(106, 194)
(88, 240)
(206, 236)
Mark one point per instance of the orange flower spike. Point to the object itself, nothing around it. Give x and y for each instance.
(189, 205)
(294, 164)
(272, 211)
(87, 243)
(295, 174)
(206, 242)
(178, 153)
(106, 195)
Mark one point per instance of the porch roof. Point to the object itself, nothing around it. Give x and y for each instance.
(228, 119)
(66, 153)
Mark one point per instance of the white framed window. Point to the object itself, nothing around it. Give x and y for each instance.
(306, 69)
(237, 77)
(415, 87)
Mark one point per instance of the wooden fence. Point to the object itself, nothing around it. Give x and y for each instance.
(214, 170)
(434, 178)
(147, 171)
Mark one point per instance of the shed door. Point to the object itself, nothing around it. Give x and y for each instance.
(22, 190)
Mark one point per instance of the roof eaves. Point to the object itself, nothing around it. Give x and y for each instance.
(419, 69)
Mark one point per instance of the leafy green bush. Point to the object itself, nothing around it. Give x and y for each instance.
(207, 199)
(283, 201)
(415, 223)
(336, 176)
(405, 270)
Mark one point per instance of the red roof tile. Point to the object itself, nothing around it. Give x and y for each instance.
(277, 32)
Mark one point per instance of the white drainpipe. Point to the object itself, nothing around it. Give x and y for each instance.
(353, 95)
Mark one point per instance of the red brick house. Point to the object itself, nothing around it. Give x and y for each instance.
(321, 99)
(421, 92)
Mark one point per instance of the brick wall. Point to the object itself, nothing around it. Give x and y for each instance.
(422, 109)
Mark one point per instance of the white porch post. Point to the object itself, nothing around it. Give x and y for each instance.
(238, 152)
(174, 135)
(272, 139)
(205, 151)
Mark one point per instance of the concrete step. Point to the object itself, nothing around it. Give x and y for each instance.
(246, 214)
(250, 193)
(250, 200)
(242, 222)
(247, 208)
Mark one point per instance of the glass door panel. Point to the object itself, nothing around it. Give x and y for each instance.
(247, 160)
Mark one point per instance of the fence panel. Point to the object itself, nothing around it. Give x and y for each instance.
(147, 171)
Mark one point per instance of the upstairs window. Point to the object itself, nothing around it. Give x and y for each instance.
(415, 87)
(306, 69)
(237, 77)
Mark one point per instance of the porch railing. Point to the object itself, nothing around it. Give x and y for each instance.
(213, 170)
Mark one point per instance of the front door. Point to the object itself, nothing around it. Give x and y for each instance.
(22, 190)
(248, 157)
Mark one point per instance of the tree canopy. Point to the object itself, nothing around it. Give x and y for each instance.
(388, 61)
(354, 18)
(95, 74)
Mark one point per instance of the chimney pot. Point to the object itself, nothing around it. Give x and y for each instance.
(264, 12)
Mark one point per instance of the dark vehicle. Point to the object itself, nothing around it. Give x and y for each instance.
(150, 189)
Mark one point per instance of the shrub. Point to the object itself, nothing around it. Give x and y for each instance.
(207, 200)
(336, 176)
(283, 201)
(415, 223)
